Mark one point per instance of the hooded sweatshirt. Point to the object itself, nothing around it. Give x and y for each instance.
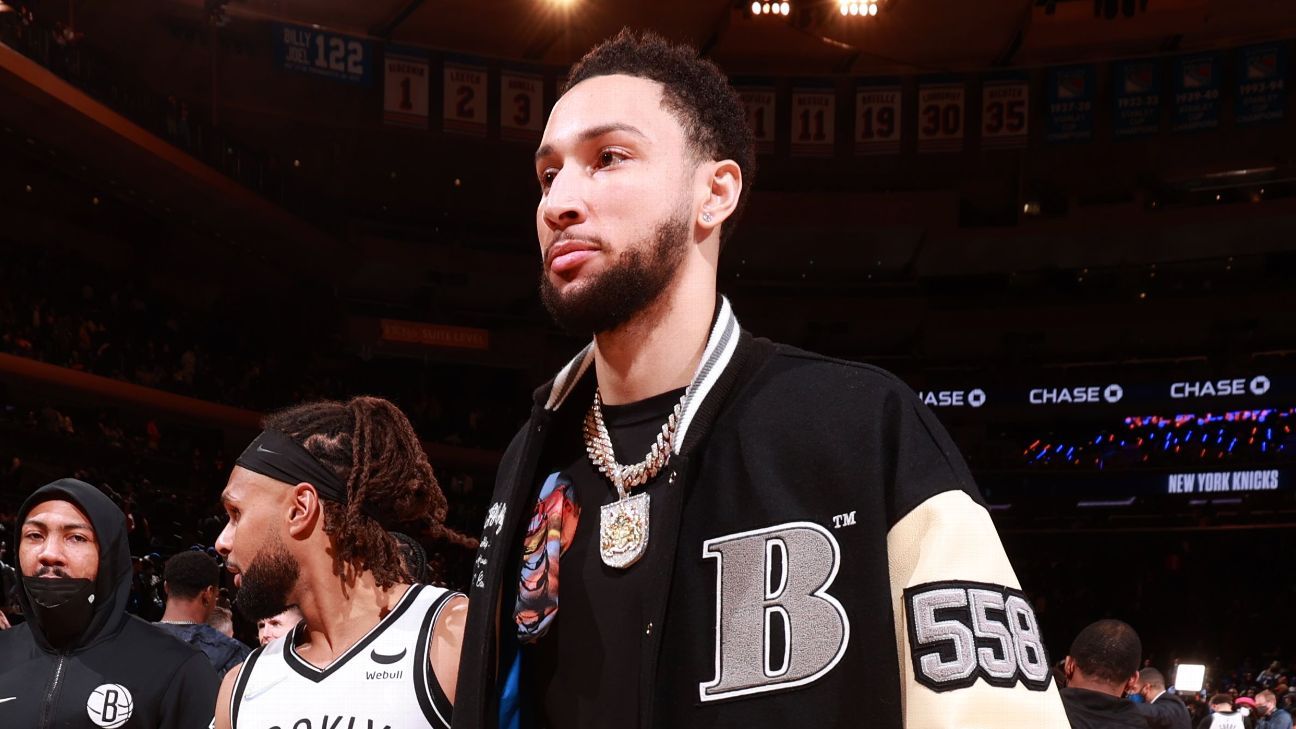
(121, 672)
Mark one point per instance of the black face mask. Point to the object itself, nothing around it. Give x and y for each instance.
(63, 606)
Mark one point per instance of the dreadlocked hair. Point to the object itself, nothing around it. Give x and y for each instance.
(372, 447)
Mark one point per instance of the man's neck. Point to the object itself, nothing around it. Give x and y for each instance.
(659, 349)
(184, 611)
(338, 611)
(1081, 681)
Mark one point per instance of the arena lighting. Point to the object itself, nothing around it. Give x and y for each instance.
(767, 8)
(864, 8)
(1189, 677)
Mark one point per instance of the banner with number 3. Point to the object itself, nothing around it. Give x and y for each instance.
(522, 116)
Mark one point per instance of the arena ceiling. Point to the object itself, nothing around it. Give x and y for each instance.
(905, 36)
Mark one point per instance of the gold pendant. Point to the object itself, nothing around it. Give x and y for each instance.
(623, 531)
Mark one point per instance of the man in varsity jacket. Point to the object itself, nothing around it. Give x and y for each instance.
(801, 545)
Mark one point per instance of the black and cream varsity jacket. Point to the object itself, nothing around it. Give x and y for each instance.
(834, 563)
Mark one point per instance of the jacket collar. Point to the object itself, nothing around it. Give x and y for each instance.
(722, 343)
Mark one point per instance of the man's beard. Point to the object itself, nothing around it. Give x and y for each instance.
(267, 581)
(628, 287)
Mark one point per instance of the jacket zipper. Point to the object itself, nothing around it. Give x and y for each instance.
(53, 689)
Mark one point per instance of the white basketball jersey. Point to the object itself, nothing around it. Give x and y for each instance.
(382, 682)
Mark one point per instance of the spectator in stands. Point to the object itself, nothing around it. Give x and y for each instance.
(1161, 709)
(1245, 705)
(1268, 678)
(1271, 717)
(276, 625)
(80, 659)
(1223, 715)
(191, 581)
(222, 620)
(8, 581)
(1101, 668)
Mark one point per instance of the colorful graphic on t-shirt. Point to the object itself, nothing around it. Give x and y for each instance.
(550, 532)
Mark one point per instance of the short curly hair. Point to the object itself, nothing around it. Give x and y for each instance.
(189, 573)
(694, 89)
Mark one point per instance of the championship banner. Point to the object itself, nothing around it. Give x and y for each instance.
(1070, 96)
(878, 120)
(464, 109)
(322, 53)
(1196, 92)
(522, 116)
(941, 116)
(814, 112)
(1005, 112)
(1136, 98)
(758, 99)
(405, 89)
(1261, 84)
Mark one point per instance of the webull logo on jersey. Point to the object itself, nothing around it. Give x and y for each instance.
(383, 675)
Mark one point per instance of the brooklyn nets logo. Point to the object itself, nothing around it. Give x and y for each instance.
(110, 706)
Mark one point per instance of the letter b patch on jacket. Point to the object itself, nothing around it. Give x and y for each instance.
(776, 625)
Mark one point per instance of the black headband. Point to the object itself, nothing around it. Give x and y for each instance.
(275, 455)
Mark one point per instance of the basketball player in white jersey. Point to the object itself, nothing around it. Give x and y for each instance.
(307, 502)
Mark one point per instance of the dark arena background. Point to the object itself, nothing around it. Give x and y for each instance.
(1068, 225)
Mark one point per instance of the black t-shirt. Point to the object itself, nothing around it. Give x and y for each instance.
(584, 671)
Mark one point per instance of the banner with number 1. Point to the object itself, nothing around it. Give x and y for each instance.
(405, 89)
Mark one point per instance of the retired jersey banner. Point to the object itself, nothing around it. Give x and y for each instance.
(941, 116)
(1005, 112)
(814, 111)
(323, 53)
(878, 118)
(758, 99)
(522, 112)
(405, 89)
(1196, 92)
(1136, 98)
(464, 109)
(1261, 83)
(1070, 95)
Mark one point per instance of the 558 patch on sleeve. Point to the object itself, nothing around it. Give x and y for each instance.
(960, 632)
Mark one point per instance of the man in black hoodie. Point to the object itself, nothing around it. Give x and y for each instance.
(80, 660)
(1100, 669)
